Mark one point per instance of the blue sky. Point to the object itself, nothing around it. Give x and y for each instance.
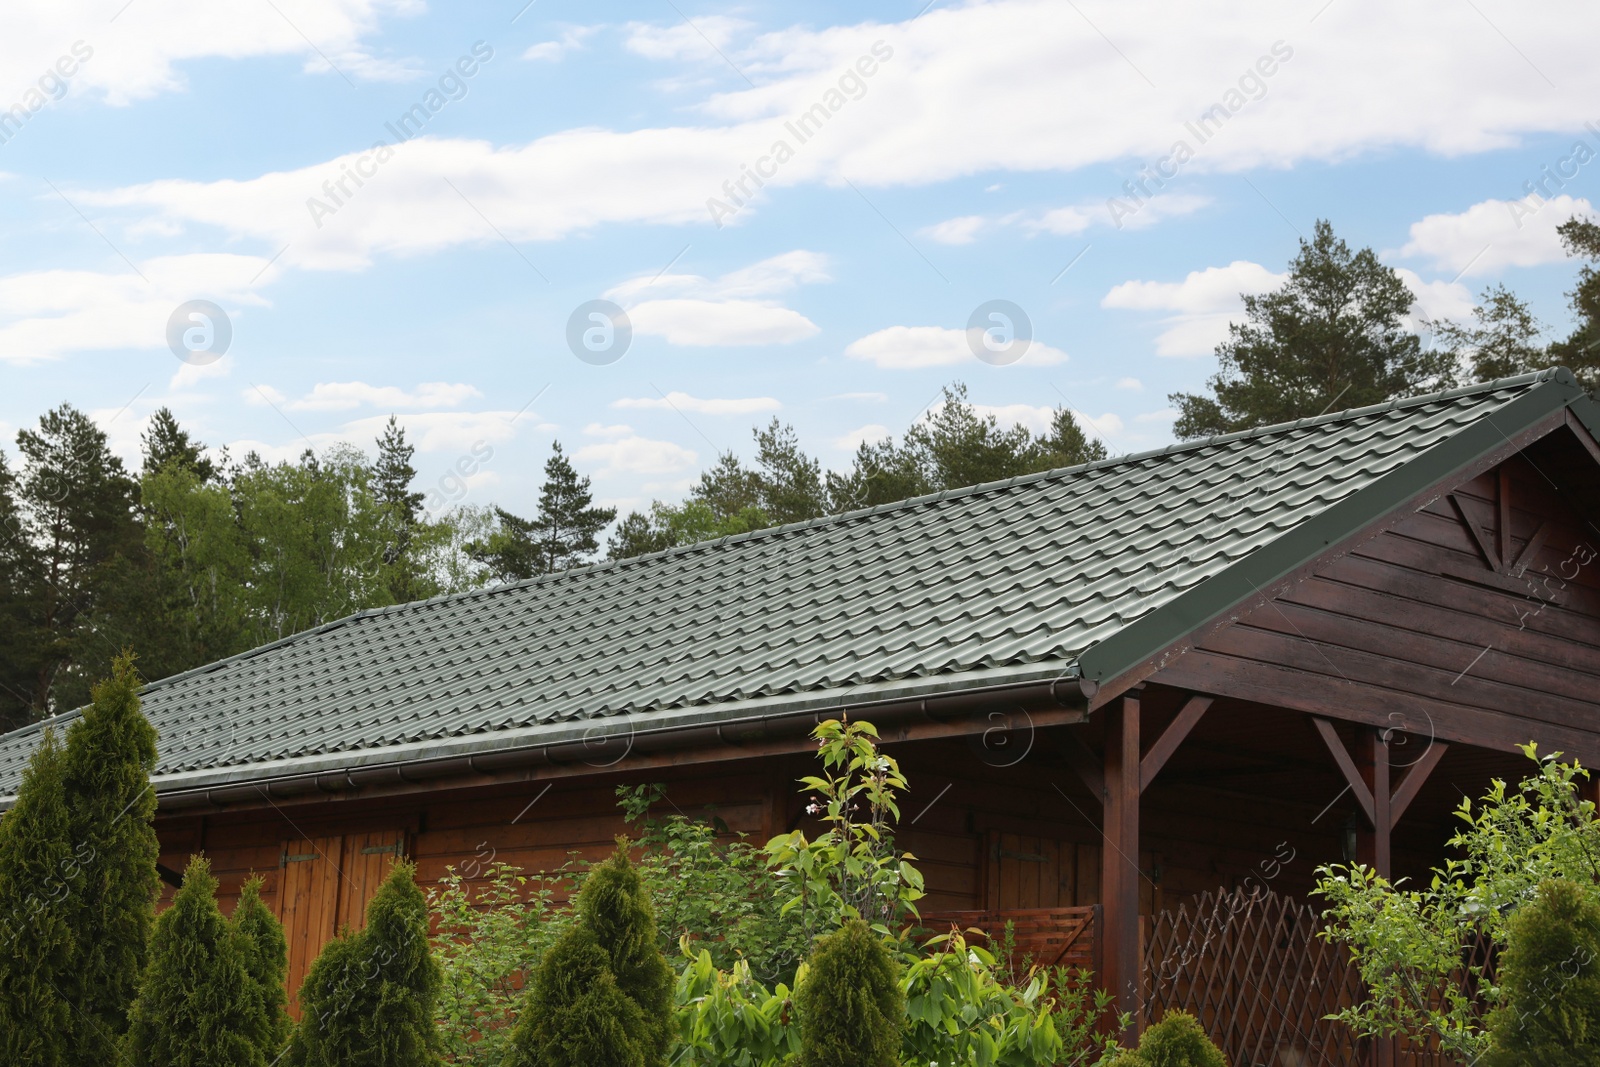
(570, 152)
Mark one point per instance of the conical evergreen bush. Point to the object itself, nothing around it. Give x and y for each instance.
(267, 963)
(614, 907)
(369, 999)
(1550, 978)
(601, 996)
(575, 1015)
(852, 1010)
(198, 1005)
(110, 752)
(1176, 1041)
(37, 871)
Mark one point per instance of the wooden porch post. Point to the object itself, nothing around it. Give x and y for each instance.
(1119, 862)
(1373, 758)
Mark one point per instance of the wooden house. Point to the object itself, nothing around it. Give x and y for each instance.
(1139, 701)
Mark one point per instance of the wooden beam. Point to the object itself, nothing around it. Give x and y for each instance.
(1119, 862)
(1415, 778)
(1347, 766)
(1374, 849)
(1083, 759)
(1170, 739)
(1503, 527)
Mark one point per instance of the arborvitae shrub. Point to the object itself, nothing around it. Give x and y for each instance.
(197, 1005)
(614, 907)
(1550, 979)
(369, 999)
(37, 871)
(852, 1010)
(267, 963)
(575, 1014)
(110, 752)
(1176, 1041)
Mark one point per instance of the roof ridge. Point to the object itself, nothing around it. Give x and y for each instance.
(607, 566)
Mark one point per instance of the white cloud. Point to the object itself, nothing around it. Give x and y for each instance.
(635, 455)
(570, 40)
(190, 375)
(447, 431)
(1074, 219)
(1129, 383)
(1495, 234)
(873, 398)
(141, 53)
(1162, 415)
(596, 429)
(912, 347)
(957, 231)
(734, 309)
(681, 40)
(1206, 301)
(871, 433)
(46, 314)
(1034, 418)
(342, 396)
(705, 406)
(1436, 300)
(261, 396)
(933, 91)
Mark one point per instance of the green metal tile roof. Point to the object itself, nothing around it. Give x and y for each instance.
(1086, 570)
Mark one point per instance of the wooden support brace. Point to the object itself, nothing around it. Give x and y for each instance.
(1170, 739)
(1082, 759)
(1415, 779)
(1347, 767)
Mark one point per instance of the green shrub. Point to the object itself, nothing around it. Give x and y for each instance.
(1549, 1015)
(267, 963)
(852, 1010)
(1175, 1041)
(576, 1014)
(197, 1005)
(612, 905)
(38, 868)
(369, 999)
(110, 752)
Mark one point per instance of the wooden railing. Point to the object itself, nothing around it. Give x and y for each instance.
(1042, 937)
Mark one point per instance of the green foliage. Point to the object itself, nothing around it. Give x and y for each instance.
(370, 999)
(714, 889)
(38, 868)
(726, 1018)
(487, 944)
(576, 1015)
(1549, 1014)
(852, 870)
(1408, 943)
(1333, 336)
(612, 906)
(1501, 340)
(1175, 1041)
(266, 960)
(852, 1009)
(110, 752)
(198, 1005)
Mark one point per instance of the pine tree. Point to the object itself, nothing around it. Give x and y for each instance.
(574, 1013)
(613, 906)
(110, 752)
(38, 868)
(78, 505)
(852, 1010)
(19, 596)
(1176, 1041)
(790, 481)
(1499, 343)
(166, 444)
(1066, 445)
(369, 999)
(393, 475)
(568, 521)
(956, 446)
(1550, 979)
(267, 962)
(1580, 353)
(197, 1005)
(1334, 336)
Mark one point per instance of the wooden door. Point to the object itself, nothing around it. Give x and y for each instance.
(308, 903)
(325, 885)
(367, 859)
